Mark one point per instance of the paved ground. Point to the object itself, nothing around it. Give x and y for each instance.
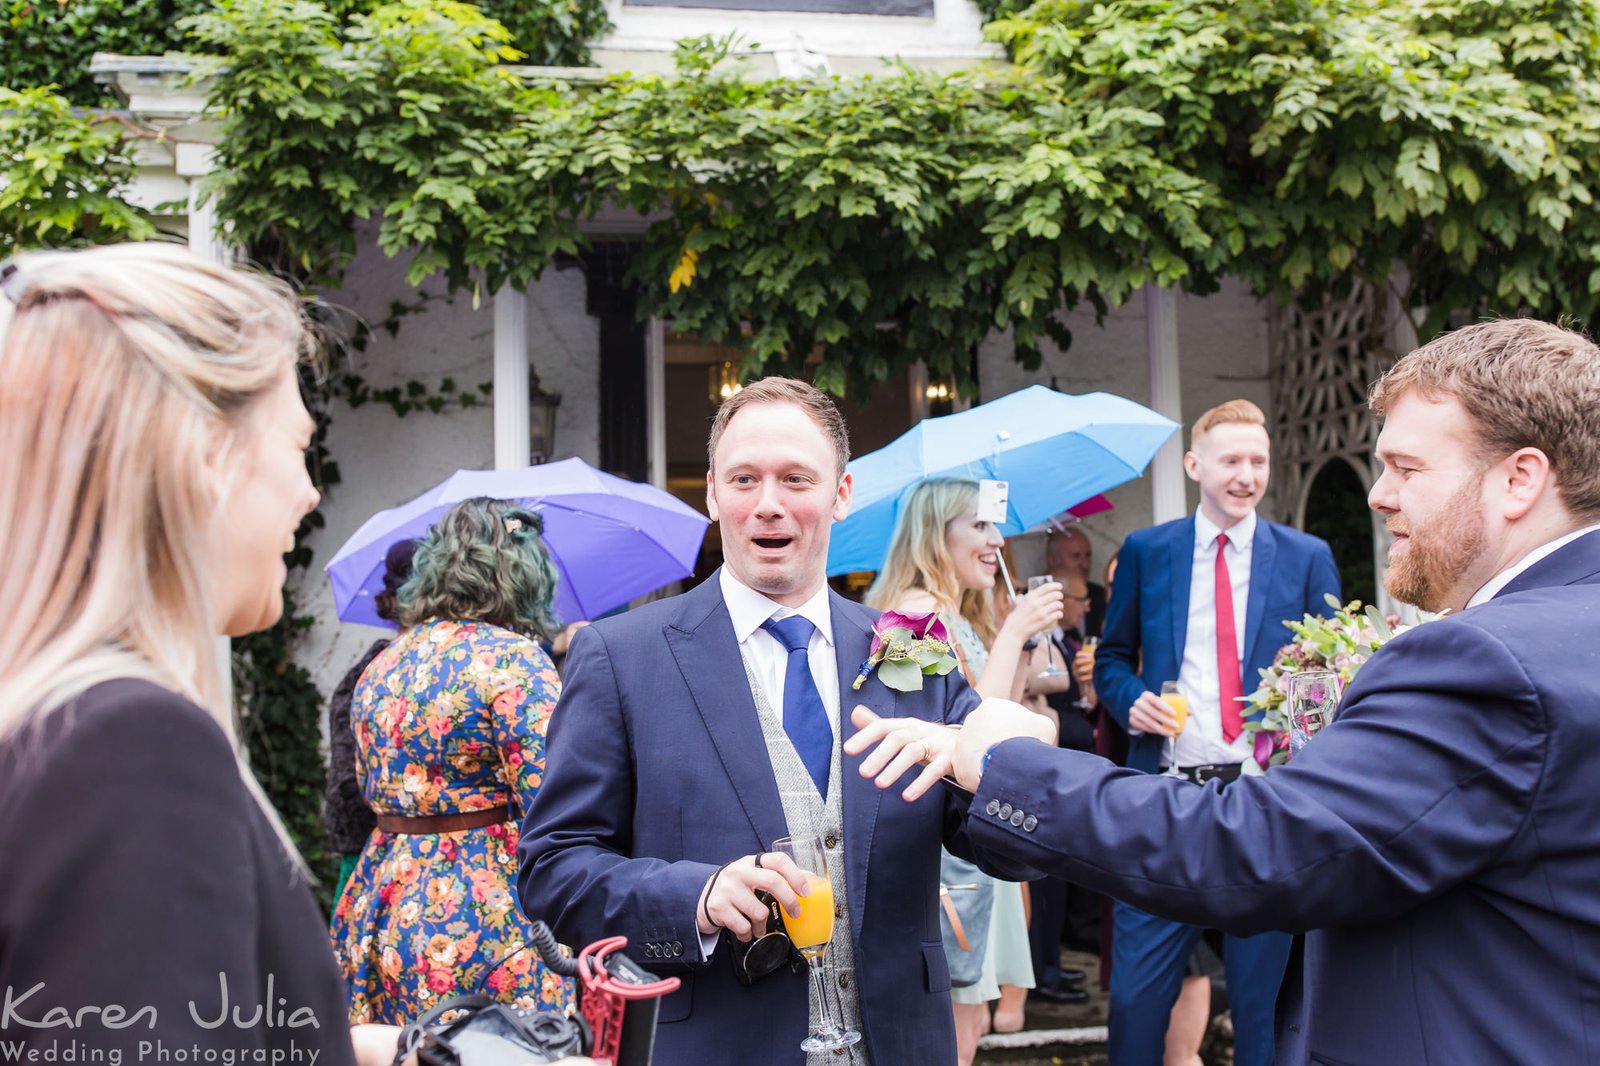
(1075, 1036)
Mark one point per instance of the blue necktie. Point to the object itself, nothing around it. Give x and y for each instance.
(805, 719)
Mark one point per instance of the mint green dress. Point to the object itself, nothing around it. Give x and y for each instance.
(1006, 958)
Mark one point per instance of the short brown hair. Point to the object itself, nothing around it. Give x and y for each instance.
(1525, 384)
(784, 390)
(1240, 412)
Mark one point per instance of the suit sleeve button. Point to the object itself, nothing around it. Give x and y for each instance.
(677, 948)
(1017, 818)
(1005, 812)
(993, 808)
(1029, 824)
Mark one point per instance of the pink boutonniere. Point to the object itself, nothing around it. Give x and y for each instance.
(905, 648)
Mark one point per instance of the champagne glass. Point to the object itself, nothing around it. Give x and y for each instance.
(1172, 697)
(1313, 698)
(1089, 645)
(1039, 581)
(811, 932)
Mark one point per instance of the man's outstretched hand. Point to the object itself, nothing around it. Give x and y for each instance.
(940, 750)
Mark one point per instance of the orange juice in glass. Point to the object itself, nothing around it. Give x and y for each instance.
(810, 933)
(814, 928)
(1177, 701)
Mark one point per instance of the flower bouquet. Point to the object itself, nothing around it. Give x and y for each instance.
(1342, 644)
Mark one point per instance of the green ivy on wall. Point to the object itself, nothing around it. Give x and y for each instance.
(902, 218)
(63, 174)
(50, 42)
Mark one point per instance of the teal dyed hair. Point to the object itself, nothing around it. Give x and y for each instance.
(484, 561)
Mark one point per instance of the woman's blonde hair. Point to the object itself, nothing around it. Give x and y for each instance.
(122, 371)
(919, 559)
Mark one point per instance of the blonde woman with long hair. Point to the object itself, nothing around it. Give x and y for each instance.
(154, 475)
(943, 558)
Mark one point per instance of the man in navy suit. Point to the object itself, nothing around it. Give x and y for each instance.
(1202, 601)
(1436, 843)
(669, 776)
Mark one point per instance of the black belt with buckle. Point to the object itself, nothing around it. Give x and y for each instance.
(1223, 772)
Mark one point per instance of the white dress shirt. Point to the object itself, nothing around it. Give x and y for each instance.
(1510, 573)
(768, 660)
(1201, 741)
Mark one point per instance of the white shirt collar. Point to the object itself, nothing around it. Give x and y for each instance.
(1242, 535)
(1512, 572)
(748, 608)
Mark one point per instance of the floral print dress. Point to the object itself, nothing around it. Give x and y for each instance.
(450, 717)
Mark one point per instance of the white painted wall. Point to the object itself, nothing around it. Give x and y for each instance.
(384, 459)
(796, 43)
(1223, 345)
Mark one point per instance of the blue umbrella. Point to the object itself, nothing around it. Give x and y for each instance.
(1055, 450)
(611, 539)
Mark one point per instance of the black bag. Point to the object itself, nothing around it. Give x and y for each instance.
(488, 1033)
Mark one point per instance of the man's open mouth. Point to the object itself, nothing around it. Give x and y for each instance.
(773, 543)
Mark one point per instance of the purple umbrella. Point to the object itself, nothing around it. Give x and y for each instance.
(611, 539)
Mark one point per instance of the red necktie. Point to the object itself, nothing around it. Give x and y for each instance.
(1229, 684)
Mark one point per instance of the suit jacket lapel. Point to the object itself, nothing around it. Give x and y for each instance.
(1180, 565)
(1262, 552)
(702, 641)
(852, 640)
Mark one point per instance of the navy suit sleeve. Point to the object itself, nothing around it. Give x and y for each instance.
(575, 856)
(1116, 660)
(960, 699)
(1426, 776)
(1322, 579)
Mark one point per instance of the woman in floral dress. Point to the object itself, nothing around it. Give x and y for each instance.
(449, 724)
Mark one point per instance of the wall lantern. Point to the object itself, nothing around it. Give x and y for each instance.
(541, 420)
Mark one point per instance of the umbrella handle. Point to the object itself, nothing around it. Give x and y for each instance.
(1011, 589)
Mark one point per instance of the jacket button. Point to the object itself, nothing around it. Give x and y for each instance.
(1005, 811)
(1029, 824)
(993, 808)
(677, 948)
(844, 980)
(838, 910)
(1017, 818)
(831, 842)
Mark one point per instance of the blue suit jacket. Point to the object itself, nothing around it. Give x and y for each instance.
(1437, 843)
(1148, 617)
(657, 773)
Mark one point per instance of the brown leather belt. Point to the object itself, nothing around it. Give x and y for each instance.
(950, 913)
(443, 823)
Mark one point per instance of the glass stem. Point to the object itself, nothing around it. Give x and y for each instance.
(826, 1026)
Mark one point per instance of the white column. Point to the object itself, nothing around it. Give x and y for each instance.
(655, 399)
(1166, 397)
(205, 241)
(511, 445)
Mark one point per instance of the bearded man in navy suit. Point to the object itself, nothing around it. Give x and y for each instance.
(675, 759)
(1436, 844)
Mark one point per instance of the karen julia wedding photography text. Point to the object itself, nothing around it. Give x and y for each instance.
(93, 1034)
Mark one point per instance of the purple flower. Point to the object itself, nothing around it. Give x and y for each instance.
(1263, 747)
(922, 626)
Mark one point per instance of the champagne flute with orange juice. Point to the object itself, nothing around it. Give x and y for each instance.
(811, 932)
(1177, 701)
(1088, 649)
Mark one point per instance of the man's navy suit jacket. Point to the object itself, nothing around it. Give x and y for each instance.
(1147, 621)
(657, 773)
(1438, 843)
